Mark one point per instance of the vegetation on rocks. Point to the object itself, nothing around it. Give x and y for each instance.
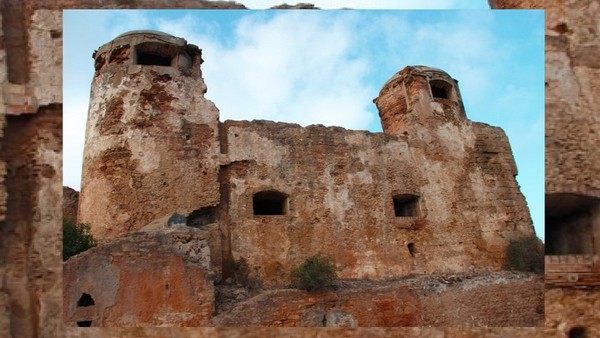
(525, 254)
(76, 238)
(316, 273)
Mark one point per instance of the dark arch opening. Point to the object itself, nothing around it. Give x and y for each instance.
(411, 249)
(440, 89)
(570, 224)
(153, 59)
(269, 203)
(85, 300)
(578, 332)
(84, 323)
(155, 54)
(406, 205)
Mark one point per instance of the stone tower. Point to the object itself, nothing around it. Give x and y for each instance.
(424, 106)
(152, 138)
(419, 95)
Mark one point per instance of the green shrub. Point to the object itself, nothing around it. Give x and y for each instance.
(76, 238)
(316, 273)
(525, 254)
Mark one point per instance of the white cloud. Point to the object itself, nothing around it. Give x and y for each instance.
(275, 71)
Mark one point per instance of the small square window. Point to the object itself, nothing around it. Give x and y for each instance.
(440, 89)
(269, 203)
(406, 205)
(155, 54)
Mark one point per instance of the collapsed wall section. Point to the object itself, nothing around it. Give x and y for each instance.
(157, 278)
(151, 140)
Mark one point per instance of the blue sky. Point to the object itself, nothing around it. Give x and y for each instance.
(326, 67)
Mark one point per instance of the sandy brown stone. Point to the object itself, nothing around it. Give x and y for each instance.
(275, 194)
(499, 299)
(171, 152)
(563, 18)
(523, 4)
(157, 278)
(572, 158)
(70, 203)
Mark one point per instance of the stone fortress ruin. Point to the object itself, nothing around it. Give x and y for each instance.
(435, 193)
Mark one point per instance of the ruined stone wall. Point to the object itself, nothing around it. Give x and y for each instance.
(570, 307)
(572, 40)
(30, 167)
(424, 301)
(160, 278)
(572, 138)
(469, 164)
(151, 138)
(529, 4)
(388, 306)
(11, 311)
(340, 184)
(70, 202)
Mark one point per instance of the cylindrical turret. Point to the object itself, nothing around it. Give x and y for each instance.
(152, 138)
(417, 95)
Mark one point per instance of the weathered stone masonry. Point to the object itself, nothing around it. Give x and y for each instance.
(155, 146)
(433, 193)
(562, 308)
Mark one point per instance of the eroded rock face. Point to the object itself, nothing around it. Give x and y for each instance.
(532, 4)
(388, 195)
(498, 299)
(158, 278)
(572, 153)
(151, 142)
(568, 308)
(70, 203)
(390, 305)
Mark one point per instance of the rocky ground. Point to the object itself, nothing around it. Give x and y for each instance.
(472, 299)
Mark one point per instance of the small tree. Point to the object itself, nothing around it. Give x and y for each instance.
(76, 238)
(525, 254)
(316, 273)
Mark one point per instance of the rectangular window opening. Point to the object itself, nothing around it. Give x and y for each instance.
(153, 59)
(440, 89)
(269, 203)
(406, 205)
(570, 224)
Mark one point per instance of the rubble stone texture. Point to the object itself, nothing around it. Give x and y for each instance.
(572, 157)
(44, 319)
(279, 193)
(420, 301)
(70, 203)
(164, 277)
(30, 167)
(170, 158)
